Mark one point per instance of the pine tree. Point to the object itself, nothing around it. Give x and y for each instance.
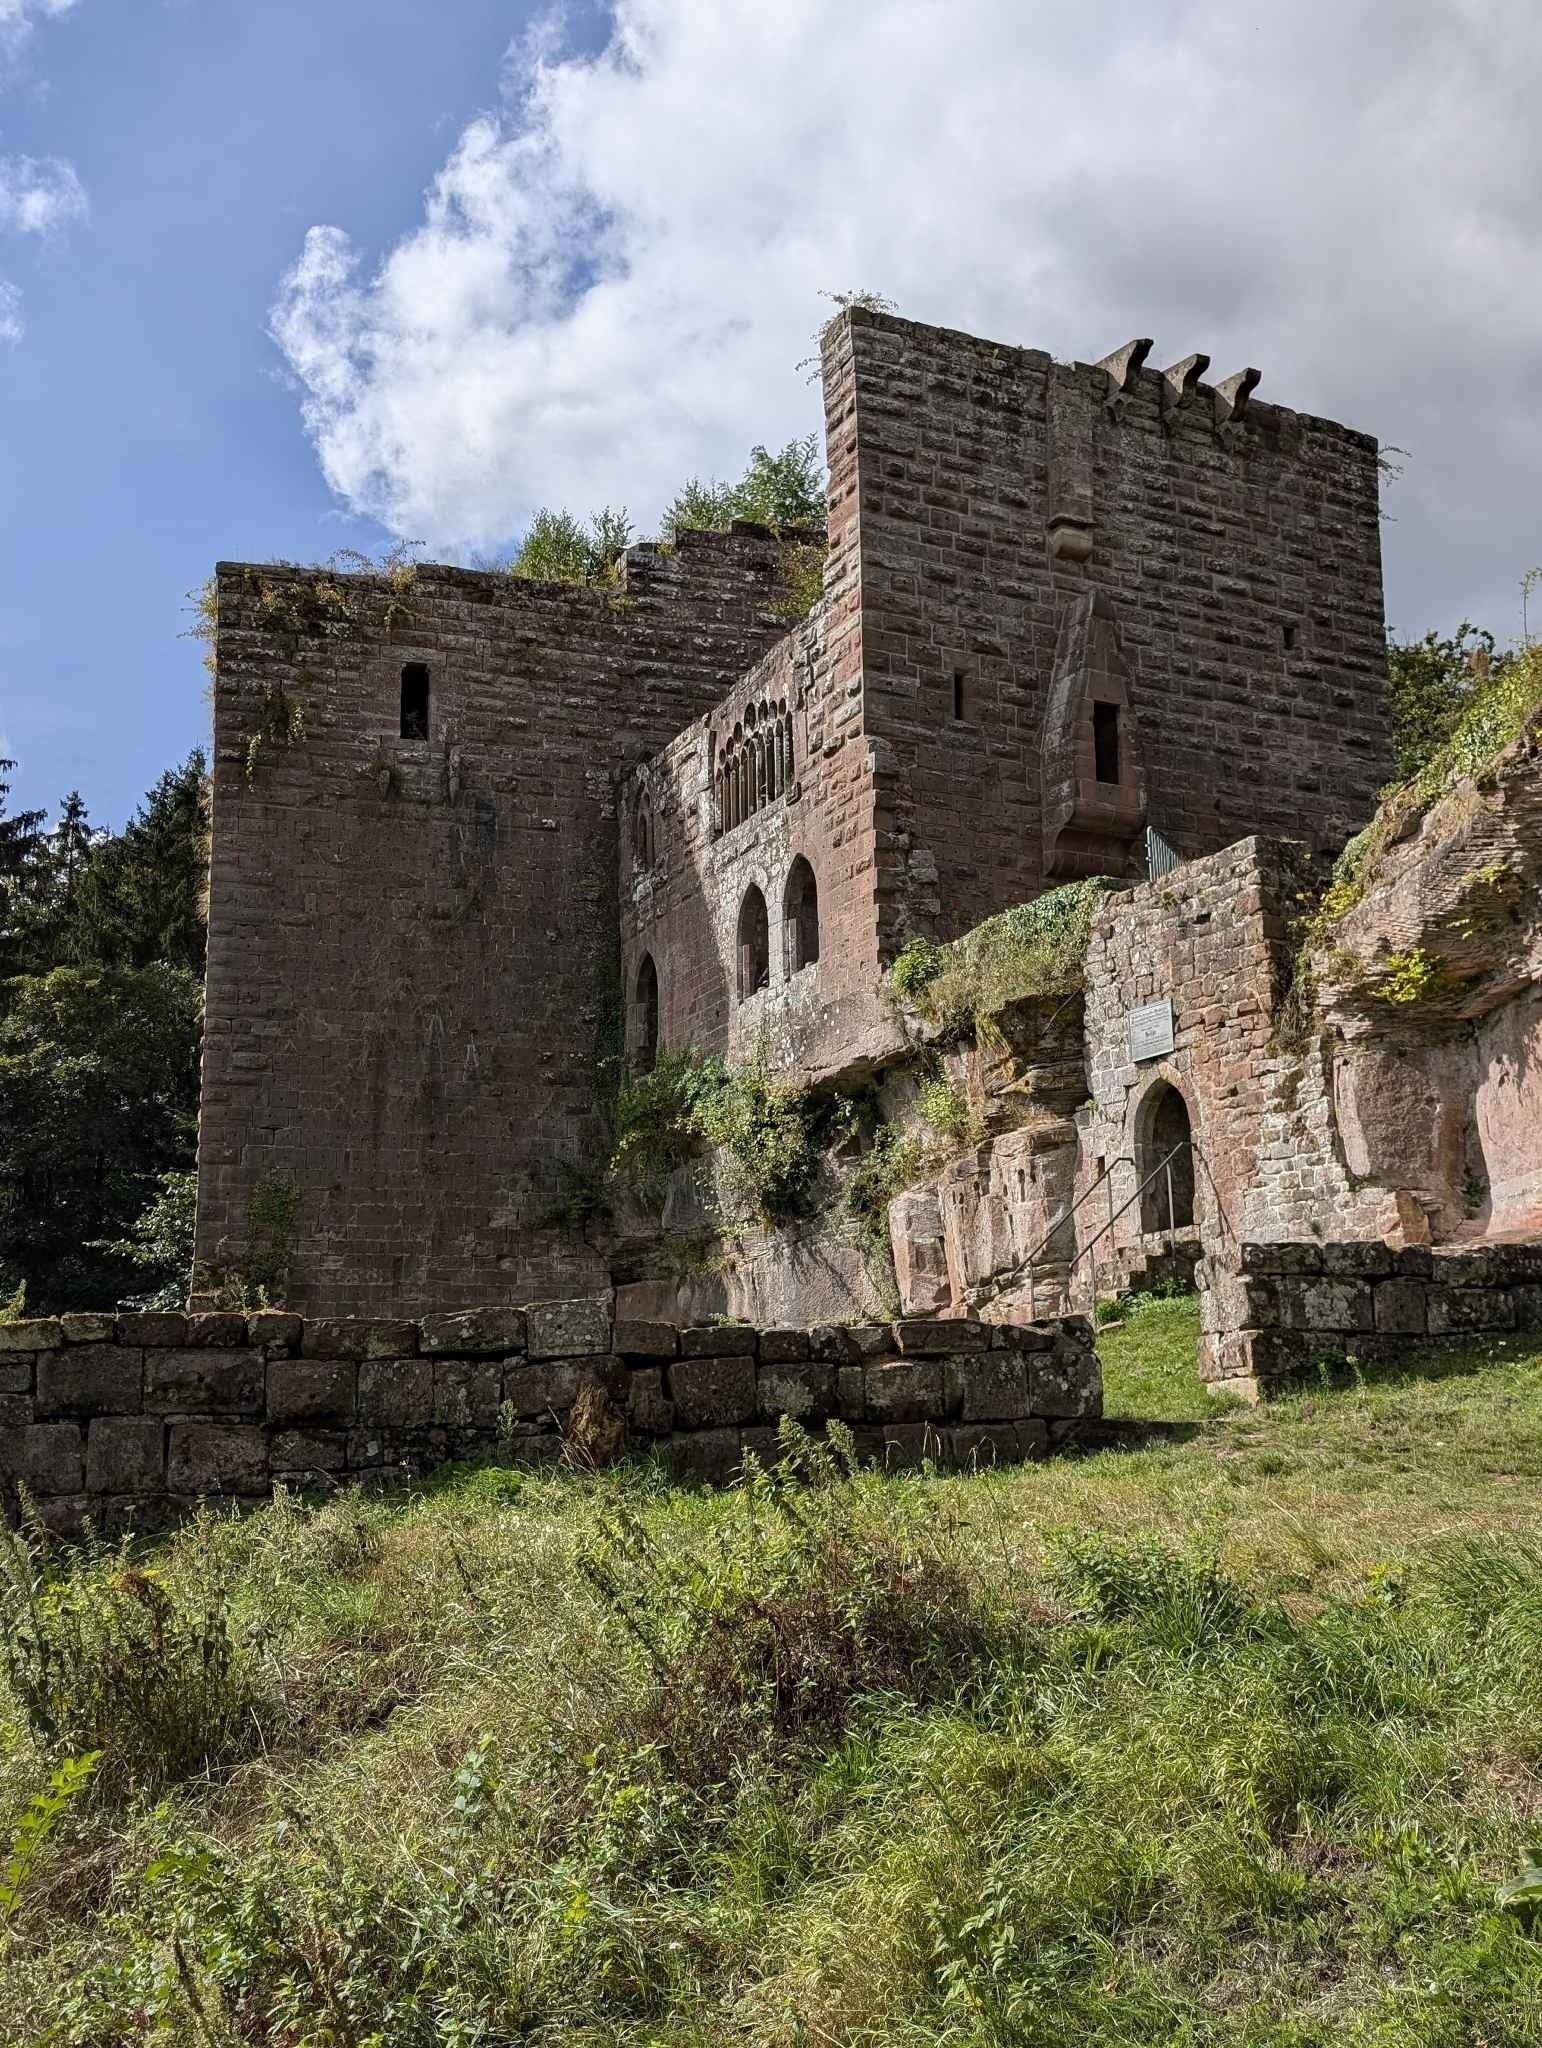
(21, 856)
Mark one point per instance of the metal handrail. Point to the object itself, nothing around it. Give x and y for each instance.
(1060, 1222)
(1024, 1266)
(1164, 1166)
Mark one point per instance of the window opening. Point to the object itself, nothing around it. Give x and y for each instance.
(800, 917)
(415, 701)
(647, 1013)
(754, 944)
(1288, 635)
(958, 693)
(1105, 742)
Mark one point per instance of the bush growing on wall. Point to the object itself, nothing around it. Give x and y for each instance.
(1034, 949)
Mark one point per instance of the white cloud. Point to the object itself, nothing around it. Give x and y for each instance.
(11, 329)
(39, 195)
(618, 270)
(18, 18)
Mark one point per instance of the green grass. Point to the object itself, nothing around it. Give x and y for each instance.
(1231, 1738)
(1148, 1363)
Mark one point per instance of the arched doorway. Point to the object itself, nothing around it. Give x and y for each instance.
(1164, 1156)
(646, 1026)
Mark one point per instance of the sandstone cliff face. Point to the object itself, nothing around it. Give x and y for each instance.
(1428, 1012)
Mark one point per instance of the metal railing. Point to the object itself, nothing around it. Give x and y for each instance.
(1163, 1170)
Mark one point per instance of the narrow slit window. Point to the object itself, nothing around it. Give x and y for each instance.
(415, 701)
(958, 693)
(1288, 635)
(1105, 742)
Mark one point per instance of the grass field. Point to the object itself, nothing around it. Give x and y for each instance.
(1231, 1737)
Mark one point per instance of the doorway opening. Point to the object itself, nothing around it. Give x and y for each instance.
(1166, 1151)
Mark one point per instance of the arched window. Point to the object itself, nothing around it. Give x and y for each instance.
(646, 1022)
(642, 830)
(800, 917)
(415, 701)
(754, 944)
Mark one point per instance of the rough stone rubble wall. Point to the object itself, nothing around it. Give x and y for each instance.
(1272, 1311)
(131, 1419)
(413, 946)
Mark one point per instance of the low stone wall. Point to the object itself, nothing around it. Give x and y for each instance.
(132, 1419)
(1275, 1310)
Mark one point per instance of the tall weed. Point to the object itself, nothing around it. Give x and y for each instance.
(104, 1654)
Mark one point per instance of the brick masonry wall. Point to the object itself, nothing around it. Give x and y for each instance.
(1271, 1311)
(413, 952)
(130, 1420)
(1210, 535)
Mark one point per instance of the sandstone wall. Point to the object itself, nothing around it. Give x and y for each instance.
(1272, 1311)
(682, 909)
(130, 1420)
(413, 942)
(1215, 937)
(1049, 537)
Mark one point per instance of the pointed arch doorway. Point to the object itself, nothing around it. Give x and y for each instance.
(1164, 1158)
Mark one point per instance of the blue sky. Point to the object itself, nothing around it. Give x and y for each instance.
(147, 425)
(282, 278)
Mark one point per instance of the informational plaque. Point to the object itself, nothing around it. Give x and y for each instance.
(1151, 1030)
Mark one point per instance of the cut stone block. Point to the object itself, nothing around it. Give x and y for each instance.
(713, 1393)
(205, 1382)
(126, 1455)
(805, 1392)
(934, 1338)
(311, 1390)
(904, 1390)
(216, 1457)
(727, 1340)
(568, 1329)
(396, 1393)
(645, 1340)
(476, 1333)
(90, 1379)
(358, 1337)
(45, 1457)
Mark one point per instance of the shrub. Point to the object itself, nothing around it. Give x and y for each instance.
(818, 1594)
(765, 1127)
(160, 1241)
(1034, 949)
(105, 1654)
(1485, 718)
(786, 489)
(1430, 682)
(561, 549)
(1412, 977)
(945, 1109)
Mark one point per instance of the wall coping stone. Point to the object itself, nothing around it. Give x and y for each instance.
(114, 1420)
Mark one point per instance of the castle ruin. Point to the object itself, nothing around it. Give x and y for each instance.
(1077, 619)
